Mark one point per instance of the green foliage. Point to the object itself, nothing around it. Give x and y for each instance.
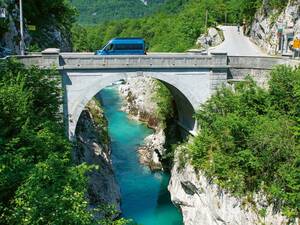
(38, 182)
(277, 4)
(284, 90)
(53, 194)
(164, 101)
(101, 123)
(249, 139)
(39, 12)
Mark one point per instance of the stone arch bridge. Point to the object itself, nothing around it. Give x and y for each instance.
(191, 78)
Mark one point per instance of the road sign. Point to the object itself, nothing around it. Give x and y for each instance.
(32, 27)
(2, 13)
(296, 44)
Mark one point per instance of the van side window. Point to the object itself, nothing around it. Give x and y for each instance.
(128, 47)
(110, 47)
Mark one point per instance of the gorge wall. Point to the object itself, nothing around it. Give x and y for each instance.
(203, 202)
(92, 147)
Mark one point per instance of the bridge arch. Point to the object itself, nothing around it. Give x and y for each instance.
(81, 87)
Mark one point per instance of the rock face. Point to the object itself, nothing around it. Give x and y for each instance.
(10, 39)
(202, 202)
(151, 152)
(213, 38)
(93, 148)
(55, 35)
(50, 35)
(139, 104)
(274, 30)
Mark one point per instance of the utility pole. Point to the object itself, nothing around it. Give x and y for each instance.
(206, 19)
(206, 33)
(225, 18)
(22, 43)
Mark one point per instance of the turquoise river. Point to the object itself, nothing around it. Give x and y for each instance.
(145, 198)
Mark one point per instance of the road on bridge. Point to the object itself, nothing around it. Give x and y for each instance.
(236, 44)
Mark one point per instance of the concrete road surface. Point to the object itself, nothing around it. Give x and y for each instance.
(236, 44)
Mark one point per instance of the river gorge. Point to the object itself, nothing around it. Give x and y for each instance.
(134, 174)
(144, 195)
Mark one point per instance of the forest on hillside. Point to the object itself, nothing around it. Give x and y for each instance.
(175, 27)
(99, 11)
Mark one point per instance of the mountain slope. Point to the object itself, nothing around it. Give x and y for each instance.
(98, 11)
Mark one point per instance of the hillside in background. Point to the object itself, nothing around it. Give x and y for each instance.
(98, 11)
(175, 27)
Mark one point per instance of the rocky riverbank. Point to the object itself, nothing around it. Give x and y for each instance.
(92, 147)
(138, 94)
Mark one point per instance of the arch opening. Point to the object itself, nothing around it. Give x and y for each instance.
(83, 88)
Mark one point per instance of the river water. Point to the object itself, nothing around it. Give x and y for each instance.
(145, 198)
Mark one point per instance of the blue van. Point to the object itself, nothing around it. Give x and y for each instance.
(124, 46)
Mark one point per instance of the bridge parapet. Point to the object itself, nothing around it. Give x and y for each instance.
(46, 59)
(75, 61)
(256, 62)
(147, 61)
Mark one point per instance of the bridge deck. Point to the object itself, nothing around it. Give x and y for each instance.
(80, 61)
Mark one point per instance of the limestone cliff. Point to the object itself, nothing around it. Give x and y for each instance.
(203, 202)
(274, 29)
(92, 147)
(138, 96)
